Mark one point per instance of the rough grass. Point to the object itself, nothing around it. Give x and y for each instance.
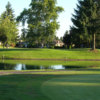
(49, 53)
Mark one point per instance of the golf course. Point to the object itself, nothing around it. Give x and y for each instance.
(78, 80)
(71, 85)
(50, 50)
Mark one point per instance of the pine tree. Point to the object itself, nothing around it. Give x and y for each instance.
(9, 12)
(79, 24)
(67, 39)
(85, 21)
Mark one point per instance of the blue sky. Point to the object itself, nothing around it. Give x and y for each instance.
(64, 18)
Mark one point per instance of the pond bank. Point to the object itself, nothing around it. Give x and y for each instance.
(50, 59)
(52, 72)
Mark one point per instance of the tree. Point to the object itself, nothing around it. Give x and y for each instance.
(67, 39)
(93, 25)
(9, 12)
(42, 20)
(24, 34)
(85, 21)
(8, 27)
(8, 31)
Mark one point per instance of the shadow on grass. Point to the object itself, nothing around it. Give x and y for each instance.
(39, 49)
(22, 87)
(21, 49)
(76, 87)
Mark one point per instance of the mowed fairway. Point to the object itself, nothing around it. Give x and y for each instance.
(22, 87)
(82, 87)
(51, 86)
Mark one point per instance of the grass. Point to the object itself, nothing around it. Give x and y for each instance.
(49, 53)
(22, 87)
(50, 85)
(82, 87)
(64, 85)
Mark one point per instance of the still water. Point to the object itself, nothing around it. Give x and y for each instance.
(5, 66)
(55, 66)
(31, 67)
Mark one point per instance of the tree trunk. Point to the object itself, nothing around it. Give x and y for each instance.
(7, 45)
(94, 43)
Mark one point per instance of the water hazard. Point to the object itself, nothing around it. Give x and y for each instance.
(39, 66)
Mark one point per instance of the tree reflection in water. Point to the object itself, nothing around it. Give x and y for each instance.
(5, 66)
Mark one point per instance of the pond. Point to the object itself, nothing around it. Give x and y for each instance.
(41, 65)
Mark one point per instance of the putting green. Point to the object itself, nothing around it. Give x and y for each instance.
(79, 87)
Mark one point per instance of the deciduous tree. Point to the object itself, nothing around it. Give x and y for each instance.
(42, 20)
(8, 26)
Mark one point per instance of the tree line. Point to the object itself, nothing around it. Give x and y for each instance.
(41, 19)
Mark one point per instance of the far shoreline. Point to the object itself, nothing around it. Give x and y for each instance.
(42, 59)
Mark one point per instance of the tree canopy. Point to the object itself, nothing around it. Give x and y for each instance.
(8, 26)
(41, 18)
(86, 22)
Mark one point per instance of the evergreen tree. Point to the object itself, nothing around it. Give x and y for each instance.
(67, 39)
(9, 12)
(85, 21)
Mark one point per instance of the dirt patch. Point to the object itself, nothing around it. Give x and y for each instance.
(94, 51)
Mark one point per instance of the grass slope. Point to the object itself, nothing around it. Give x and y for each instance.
(49, 54)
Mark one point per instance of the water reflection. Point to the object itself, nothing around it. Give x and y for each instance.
(5, 66)
(20, 67)
(33, 67)
(58, 67)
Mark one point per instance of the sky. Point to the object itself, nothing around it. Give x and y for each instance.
(64, 18)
